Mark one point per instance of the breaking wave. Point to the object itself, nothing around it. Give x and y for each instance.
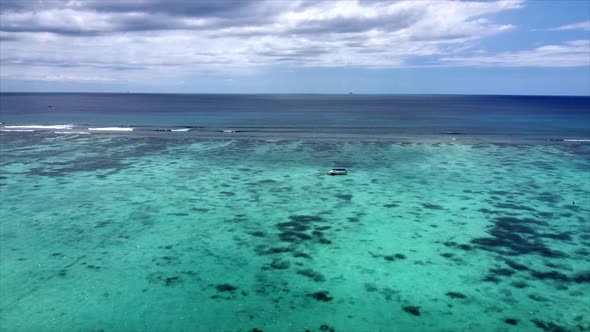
(68, 126)
(111, 129)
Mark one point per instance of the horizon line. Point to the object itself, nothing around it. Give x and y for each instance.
(292, 93)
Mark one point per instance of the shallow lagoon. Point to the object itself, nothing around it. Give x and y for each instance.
(130, 233)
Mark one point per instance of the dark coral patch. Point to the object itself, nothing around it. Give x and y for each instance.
(565, 236)
(305, 218)
(295, 230)
(279, 250)
(345, 197)
(266, 181)
(511, 321)
(519, 284)
(301, 254)
(581, 277)
(280, 264)
(551, 275)
(515, 236)
(323, 296)
(414, 310)
(370, 287)
(353, 219)
(326, 328)
(465, 247)
(432, 206)
(515, 265)
(318, 233)
(171, 280)
(548, 326)
(225, 288)
(456, 295)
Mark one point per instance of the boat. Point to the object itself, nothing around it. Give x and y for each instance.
(338, 171)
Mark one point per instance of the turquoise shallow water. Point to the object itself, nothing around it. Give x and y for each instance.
(126, 233)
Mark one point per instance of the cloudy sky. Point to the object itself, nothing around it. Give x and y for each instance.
(299, 46)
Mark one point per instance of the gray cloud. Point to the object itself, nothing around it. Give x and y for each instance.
(91, 17)
(108, 16)
(201, 8)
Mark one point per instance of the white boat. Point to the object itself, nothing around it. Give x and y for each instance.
(338, 171)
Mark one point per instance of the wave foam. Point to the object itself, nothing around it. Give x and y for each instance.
(111, 129)
(68, 126)
(182, 129)
(576, 140)
(18, 130)
(72, 132)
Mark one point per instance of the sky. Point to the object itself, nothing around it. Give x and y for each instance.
(515, 47)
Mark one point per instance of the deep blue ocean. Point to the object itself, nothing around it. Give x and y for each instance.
(389, 116)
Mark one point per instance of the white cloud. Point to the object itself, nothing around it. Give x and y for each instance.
(571, 54)
(123, 40)
(575, 26)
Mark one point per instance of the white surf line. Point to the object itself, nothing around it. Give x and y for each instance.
(182, 129)
(68, 126)
(111, 129)
(72, 132)
(18, 130)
